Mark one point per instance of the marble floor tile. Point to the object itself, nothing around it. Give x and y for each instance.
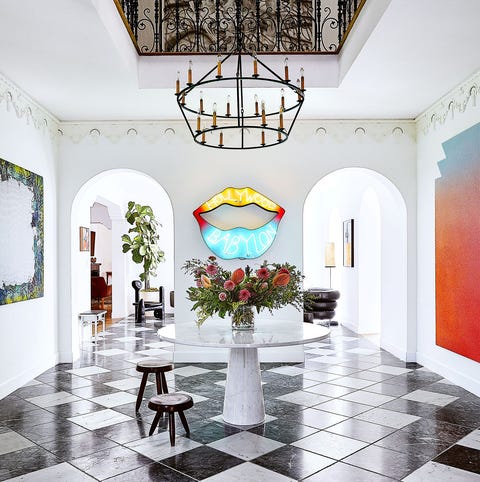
(12, 441)
(157, 447)
(387, 418)
(343, 407)
(61, 473)
(330, 445)
(50, 400)
(155, 352)
(32, 383)
(472, 440)
(367, 398)
(247, 472)
(202, 462)
(351, 382)
(140, 329)
(102, 418)
(245, 445)
(392, 370)
(126, 383)
(461, 457)
(127, 339)
(424, 396)
(268, 418)
(111, 352)
(110, 462)
(320, 376)
(362, 351)
(329, 390)
(30, 459)
(293, 462)
(283, 431)
(433, 471)
(289, 370)
(85, 371)
(160, 344)
(360, 430)
(328, 359)
(114, 399)
(320, 351)
(315, 418)
(385, 461)
(341, 472)
(189, 371)
(306, 399)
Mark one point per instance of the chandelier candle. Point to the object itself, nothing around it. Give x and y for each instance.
(189, 73)
(286, 69)
(280, 118)
(302, 79)
(219, 66)
(214, 110)
(228, 107)
(201, 102)
(255, 66)
(256, 105)
(177, 83)
(264, 119)
(282, 98)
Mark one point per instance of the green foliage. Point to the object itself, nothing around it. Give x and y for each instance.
(219, 291)
(143, 242)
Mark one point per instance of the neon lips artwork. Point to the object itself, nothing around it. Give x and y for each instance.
(239, 242)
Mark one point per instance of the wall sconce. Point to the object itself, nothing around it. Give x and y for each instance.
(330, 258)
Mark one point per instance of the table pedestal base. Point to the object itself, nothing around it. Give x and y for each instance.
(243, 403)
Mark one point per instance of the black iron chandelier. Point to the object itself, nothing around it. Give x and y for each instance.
(226, 108)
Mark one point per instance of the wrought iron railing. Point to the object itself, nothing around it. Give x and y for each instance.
(268, 26)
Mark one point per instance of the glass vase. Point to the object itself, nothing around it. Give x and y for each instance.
(243, 318)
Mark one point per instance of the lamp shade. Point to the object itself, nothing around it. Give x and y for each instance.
(330, 255)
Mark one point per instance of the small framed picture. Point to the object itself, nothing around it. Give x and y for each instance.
(348, 243)
(84, 239)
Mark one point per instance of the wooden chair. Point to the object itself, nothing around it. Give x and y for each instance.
(100, 290)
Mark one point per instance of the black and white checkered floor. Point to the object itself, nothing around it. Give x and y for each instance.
(350, 413)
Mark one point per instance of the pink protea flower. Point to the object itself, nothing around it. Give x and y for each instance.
(264, 286)
(205, 280)
(211, 269)
(198, 283)
(244, 295)
(222, 296)
(229, 285)
(283, 270)
(238, 275)
(263, 273)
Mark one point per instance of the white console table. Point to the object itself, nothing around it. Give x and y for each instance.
(244, 403)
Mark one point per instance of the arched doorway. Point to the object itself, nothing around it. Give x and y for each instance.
(114, 189)
(374, 290)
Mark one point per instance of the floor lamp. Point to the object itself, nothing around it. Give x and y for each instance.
(330, 258)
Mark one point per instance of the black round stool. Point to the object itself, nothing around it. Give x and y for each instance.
(170, 403)
(152, 365)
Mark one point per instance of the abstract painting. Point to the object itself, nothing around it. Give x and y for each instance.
(457, 245)
(21, 235)
(84, 239)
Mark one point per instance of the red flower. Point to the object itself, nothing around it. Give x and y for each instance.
(238, 275)
(211, 269)
(283, 270)
(229, 285)
(263, 273)
(222, 296)
(212, 258)
(281, 279)
(244, 295)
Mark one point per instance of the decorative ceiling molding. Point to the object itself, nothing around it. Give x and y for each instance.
(455, 102)
(16, 100)
(175, 130)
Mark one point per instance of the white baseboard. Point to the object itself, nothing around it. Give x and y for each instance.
(459, 378)
(20, 379)
(398, 352)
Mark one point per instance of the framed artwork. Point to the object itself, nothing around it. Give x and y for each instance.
(21, 234)
(348, 243)
(84, 239)
(457, 234)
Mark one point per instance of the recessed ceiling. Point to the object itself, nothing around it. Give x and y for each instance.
(61, 54)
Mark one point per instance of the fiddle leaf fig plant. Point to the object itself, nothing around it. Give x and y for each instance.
(142, 240)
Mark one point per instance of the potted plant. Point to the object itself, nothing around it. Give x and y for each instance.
(143, 243)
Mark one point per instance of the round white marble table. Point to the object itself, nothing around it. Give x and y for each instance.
(244, 403)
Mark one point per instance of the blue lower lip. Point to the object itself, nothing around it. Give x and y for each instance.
(239, 242)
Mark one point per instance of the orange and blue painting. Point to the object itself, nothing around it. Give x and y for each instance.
(457, 245)
(21, 234)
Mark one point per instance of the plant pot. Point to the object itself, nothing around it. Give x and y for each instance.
(150, 296)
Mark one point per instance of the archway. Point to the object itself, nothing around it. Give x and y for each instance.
(114, 189)
(374, 290)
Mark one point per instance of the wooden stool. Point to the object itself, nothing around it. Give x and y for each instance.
(170, 403)
(159, 367)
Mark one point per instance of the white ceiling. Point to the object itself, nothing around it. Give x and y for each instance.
(60, 52)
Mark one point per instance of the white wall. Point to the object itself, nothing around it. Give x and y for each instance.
(191, 174)
(458, 111)
(103, 248)
(342, 195)
(28, 345)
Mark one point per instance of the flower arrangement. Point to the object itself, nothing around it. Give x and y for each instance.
(222, 292)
